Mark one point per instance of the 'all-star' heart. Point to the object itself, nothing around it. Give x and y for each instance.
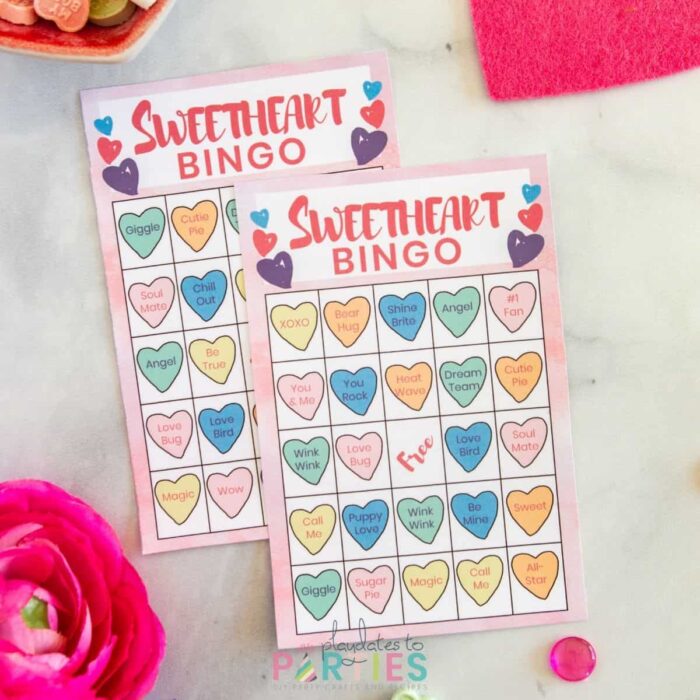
(524, 249)
(468, 446)
(367, 145)
(366, 524)
(223, 427)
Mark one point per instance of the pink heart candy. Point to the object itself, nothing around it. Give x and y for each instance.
(513, 306)
(231, 491)
(372, 588)
(152, 301)
(302, 395)
(171, 433)
(360, 455)
(524, 441)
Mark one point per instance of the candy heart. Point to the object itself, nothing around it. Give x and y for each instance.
(355, 390)
(457, 311)
(277, 271)
(410, 385)
(104, 125)
(523, 249)
(468, 447)
(124, 177)
(69, 15)
(260, 218)
(536, 574)
(195, 226)
(295, 325)
(232, 214)
(372, 88)
(476, 514)
(372, 588)
(178, 498)
(204, 295)
(231, 491)
(161, 366)
(531, 217)
(374, 114)
(531, 192)
(404, 315)
(366, 524)
(222, 428)
(313, 528)
(347, 321)
(524, 441)
(214, 359)
(367, 145)
(308, 460)
(302, 395)
(519, 377)
(480, 579)
(240, 284)
(513, 306)
(142, 232)
(318, 594)
(255, 414)
(171, 433)
(530, 509)
(264, 242)
(109, 150)
(463, 382)
(153, 301)
(360, 455)
(426, 584)
(421, 518)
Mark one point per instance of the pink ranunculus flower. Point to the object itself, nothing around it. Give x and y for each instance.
(75, 623)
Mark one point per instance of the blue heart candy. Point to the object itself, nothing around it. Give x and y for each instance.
(372, 89)
(531, 192)
(104, 126)
(260, 218)
(204, 295)
(403, 315)
(365, 524)
(469, 446)
(222, 428)
(355, 390)
(476, 514)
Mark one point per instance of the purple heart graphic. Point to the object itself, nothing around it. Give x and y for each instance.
(123, 177)
(522, 249)
(367, 145)
(277, 270)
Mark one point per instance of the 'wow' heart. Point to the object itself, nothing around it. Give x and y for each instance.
(366, 524)
(142, 232)
(463, 382)
(204, 295)
(231, 491)
(222, 428)
(403, 315)
(308, 460)
(457, 311)
(355, 390)
(161, 366)
(421, 518)
(318, 594)
(476, 514)
(468, 447)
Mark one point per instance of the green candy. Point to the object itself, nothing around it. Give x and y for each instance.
(161, 366)
(421, 518)
(307, 460)
(463, 382)
(142, 232)
(318, 594)
(457, 311)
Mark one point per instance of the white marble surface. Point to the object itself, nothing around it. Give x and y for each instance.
(625, 168)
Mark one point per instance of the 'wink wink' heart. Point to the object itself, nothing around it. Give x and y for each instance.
(307, 460)
(421, 518)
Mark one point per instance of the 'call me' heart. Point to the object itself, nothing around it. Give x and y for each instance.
(318, 594)
(214, 359)
(536, 574)
(374, 114)
(355, 390)
(171, 433)
(161, 366)
(366, 524)
(421, 518)
(457, 311)
(195, 226)
(308, 460)
(372, 588)
(178, 498)
(303, 395)
(231, 491)
(513, 306)
(204, 295)
(531, 217)
(468, 446)
(347, 321)
(410, 385)
(480, 579)
(109, 150)
(519, 376)
(524, 441)
(142, 232)
(297, 325)
(531, 509)
(426, 584)
(404, 315)
(476, 514)
(463, 381)
(360, 455)
(313, 528)
(153, 301)
(222, 428)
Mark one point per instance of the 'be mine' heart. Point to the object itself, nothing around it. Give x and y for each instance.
(403, 315)
(463, 381)
(421, 518)
(313, 528)
(513, 306)
(124, 177)
(367, 145)
(171, 433)
(264, 242)
(214, 359)
(277, 271)
(536, 574)
(195, 226)
(178, 498)
(524, 441)
(153, 301)
(519, 377)
(303, 395)
(204, 295)
(457, 311)
(524, 249)
(530, 509)
(142, 232)
(318, 594)
(366, 524)
(480, 579)
(374, 114)
(297, 325)
(109, 150)
(426, 584)
(531, 217)
(355, 390)
(476, 514)
(410, 385)
(468, 447)
(372, 588)
(347, 321)
(360, 455)
(161, 366)
(308, 460)
(231, 491)
(222, 428)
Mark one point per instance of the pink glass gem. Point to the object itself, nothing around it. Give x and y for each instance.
(572, 658)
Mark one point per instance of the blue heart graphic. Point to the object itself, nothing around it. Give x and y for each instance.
(260, 218)
(477, 514)
(104, 126)
(531, 192)
(222, 428)
(403, 315)
(372, 89)
(204, 295)
(365, 524)
(469, 446)
(355, 389)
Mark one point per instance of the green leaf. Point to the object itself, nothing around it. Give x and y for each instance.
(35, 614)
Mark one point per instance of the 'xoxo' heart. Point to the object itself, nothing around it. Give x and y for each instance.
(355, 390)
(153, 301)
(468, 447)
(295, 325)
(264, 242)
(403, 315)
(222, 428)
(231, 491)
(476, 514)
(277, 271)
(109, 150)
(360, 455)
(318, 594)
(366, 524)
(374, 114)
(205, 303)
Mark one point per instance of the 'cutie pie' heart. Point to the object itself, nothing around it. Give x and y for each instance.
(313, 528)
(372, 588)
(318, 594)
(410, 385)
(519, 377)
(476, 514)
(231, 491)
(222, 428)
(214, 359)
(195, 226)
(308, 460)
(421, 518)
(347, 321)
(468, 446)
(171, 433)
(153, 301)
(524, 441)
(355, 390)
(360, 455)
(531, 509)
(463, 381)
(536, 574)
(513, 306)
(161, 366)
(480, 579)
(426, 584)
(303, 395)
(295, 325)
(366, 524)
(457, 311)
(142, 232)
(178, 498)
(405, 315)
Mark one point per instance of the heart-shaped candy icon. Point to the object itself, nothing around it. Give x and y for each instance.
(530, 509)
(372, 88)
(313, 528)
(142, 232)
(277, 271)
(104, 125)
(308, 460)
(109, 150)
(297, 325)
(374, 114)
(372, 588)
(214, 359)
(360, 455)
(422, 518)
(204, 295)
(536, 574)
(171, 433)
(347, 322)
(223, 427)
(232, 214)
(520, 376)
(404, 315)
(531, 192)
(410, 385)
(513, 306)
(480, 579)
(124, 177)
(161, 366)
(303, 395)
(260, 218)
(524, 441)
(457, 311)
(195, 226)
(476, 514)
(240, 283)
(153, 301)
(366, 524)
(426, 584)
(355, 390)
(463, 381)
(524, 249)
(178, 498)
(468, 446)
(231, 491)
(318, 594)
(367, 145)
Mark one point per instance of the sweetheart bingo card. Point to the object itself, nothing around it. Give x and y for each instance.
(412, 393)
(164, 159)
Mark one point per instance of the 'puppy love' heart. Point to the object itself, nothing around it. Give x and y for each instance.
(366, 524)
(214, 359)
(405, 315)
(476, 514)
(303, 395)
(313, 528)
(223, 427)
(308, 460)
(468, 446)
(296, 325)
(318, 594)
(231, 491)
(421, 518)
(463, 382)
(457, 311)
(426, 584)
(360, 455)
(410, 385)
(178, 498)
(204, 295)
(153, 301)
(480, 579)
(355, 390)
(347, 321)
(161, 366)
(142, 232)
(513, 306)
(524, 441)
(171, 433)
(372, 588)
(531, 509)
(536, 574)
(195, 226)
(519, 377)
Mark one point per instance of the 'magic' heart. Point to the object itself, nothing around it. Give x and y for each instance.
(372, 588)
(161, 366)
(360, 455)
(426, 584)
(476, 514)
(374, 114)
(231, 491)
(404, 315)
(355, 390)
(222, 428)
(260, 218)
(421, 518)
(303, 395)
(531, 217)
(124, 177)
(468, 447)
(308, 460)
(109, 150)
(531, 192)
(153, 301)
(142, 232)
(178, 498)
(104, 126)
(372, 88)
(367, 145)
(366, 524)
(463, 381)
(457, 311)
(204, 295)
(277, 270)
(524, 249)
(318, 594)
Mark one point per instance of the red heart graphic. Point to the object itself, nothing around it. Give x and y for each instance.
(109, 150)
(374, 114)
(532, 217)
(264, 242)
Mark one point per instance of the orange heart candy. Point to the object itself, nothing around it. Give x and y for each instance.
(530, 510)
(195, 226)
(536, 574)
(69, 15)
(410, 385)
(519, 377)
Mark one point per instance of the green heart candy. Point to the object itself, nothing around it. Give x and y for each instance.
(318, 593)
(308, 459)
(160, 366)
(232, 214)
(421, 518)
(142, 232)
(463, 382)
(457, 311)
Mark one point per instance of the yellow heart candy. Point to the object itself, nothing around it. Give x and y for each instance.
(240, 284)
(178, 498)
(410, 385)
(215, 360)
(537, 574)
(480, 579)
(295, 325)
(314, 528)
(519, 377)
(195, 226)
(347, 321)
(426, 584)
(530, 510)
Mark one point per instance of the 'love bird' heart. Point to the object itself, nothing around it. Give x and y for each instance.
(222, 428)
(468, 446)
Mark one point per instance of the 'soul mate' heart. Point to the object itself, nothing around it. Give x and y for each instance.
(457, 311)
(161, 366)
(178, 498)
(232, 214)
(347, 321)
(222, 428)
(519, 377)
(153, 301)
(524, 441)
(303, 395)
(355, 390)
(171, 433)
(313, 528)
(421, 518)
(214, 359)
(297, 325)
(480, 579)
(231, 491)
(531, 509)
(372, 588)
(513, 306)
(463, 381)
(318, 594)
(307, 460)
(195, 226)
(366, 524)
(410, 385)
(404, 315)
(468, 446)
(204, 295)
(360, 455)
(240, 284)
(476, 514)
(142, 232)
(536, 574)
(426, 584)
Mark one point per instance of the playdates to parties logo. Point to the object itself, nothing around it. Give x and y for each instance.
(361, 664)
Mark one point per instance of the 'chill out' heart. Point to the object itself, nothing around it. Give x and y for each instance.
(204, 295)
